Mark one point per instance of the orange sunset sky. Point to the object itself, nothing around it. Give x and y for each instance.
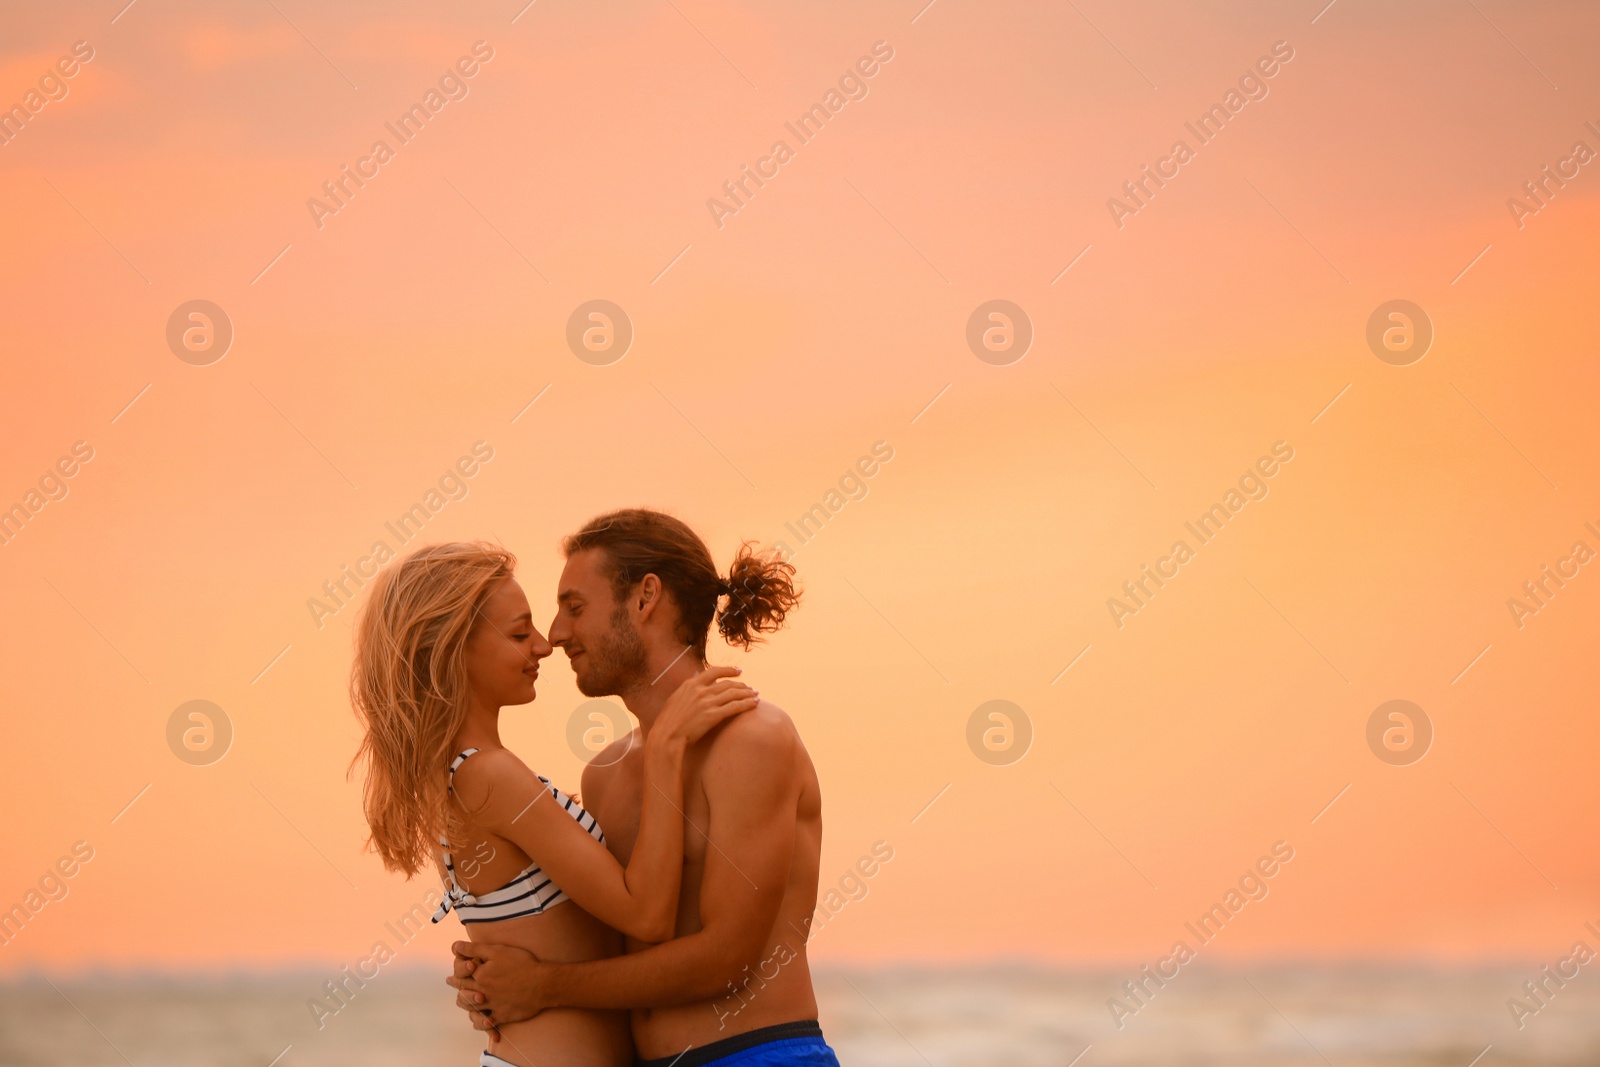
(775, 342)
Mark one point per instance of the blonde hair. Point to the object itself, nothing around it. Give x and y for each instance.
(408, 687)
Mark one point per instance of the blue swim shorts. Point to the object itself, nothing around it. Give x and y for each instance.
(797, 1044)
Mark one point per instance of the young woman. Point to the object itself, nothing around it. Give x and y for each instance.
(445, 640)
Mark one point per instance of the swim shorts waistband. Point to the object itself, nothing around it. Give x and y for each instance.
(807, 1032)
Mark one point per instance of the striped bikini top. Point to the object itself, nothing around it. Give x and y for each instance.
(529, 893)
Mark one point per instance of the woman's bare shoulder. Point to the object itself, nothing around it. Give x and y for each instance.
(490, 771)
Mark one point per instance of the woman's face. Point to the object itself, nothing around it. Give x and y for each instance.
(504, 649)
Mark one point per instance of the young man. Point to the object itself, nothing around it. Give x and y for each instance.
(635, 604)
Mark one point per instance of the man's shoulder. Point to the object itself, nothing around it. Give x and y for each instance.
(607, 764)
(765, 737)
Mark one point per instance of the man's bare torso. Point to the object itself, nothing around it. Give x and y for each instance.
(775, 987)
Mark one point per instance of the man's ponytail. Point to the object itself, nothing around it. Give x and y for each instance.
(761, 593)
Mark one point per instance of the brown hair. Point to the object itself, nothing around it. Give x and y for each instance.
(637, 541)
(408, 687)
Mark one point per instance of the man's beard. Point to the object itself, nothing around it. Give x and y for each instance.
(617, 662)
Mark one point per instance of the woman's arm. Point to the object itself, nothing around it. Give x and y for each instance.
(640, 900)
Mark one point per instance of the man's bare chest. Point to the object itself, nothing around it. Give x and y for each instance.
(619, 808)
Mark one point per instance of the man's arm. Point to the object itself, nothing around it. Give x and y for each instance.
(753, 785)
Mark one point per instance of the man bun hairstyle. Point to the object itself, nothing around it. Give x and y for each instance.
(760, 592)
(754, 599)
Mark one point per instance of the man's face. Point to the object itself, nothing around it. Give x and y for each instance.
(595, 629)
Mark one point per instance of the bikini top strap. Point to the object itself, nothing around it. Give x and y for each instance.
(458, 761)
(444, 844)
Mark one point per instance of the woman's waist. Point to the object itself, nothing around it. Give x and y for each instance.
(564, 934)
(577, 1036)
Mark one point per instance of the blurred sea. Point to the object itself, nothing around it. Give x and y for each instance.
(909, 1017)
